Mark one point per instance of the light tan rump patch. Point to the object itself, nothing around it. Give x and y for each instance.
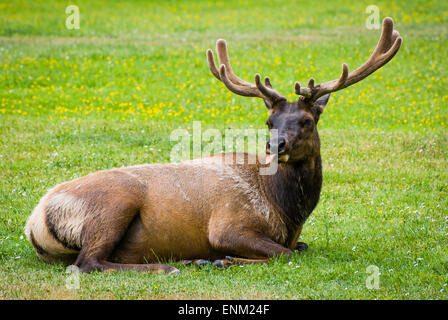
(66, 214)
(37, 225)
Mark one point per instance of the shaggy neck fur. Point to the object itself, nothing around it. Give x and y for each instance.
(295, 189)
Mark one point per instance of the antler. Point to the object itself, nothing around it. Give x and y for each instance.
(387, 47)
(234, 83)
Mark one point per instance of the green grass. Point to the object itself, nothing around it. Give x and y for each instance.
(110, 93)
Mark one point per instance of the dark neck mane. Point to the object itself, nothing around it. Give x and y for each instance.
(294, 190)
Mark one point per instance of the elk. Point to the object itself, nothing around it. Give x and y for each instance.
(202, 209)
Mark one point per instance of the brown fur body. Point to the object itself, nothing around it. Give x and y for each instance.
(188, 210)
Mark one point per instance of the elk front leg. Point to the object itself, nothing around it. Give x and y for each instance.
(301, 246)
(298, 246)
(252, 246)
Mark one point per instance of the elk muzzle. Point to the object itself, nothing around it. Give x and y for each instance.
(277, 146)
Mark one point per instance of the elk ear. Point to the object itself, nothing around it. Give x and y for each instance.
(268, 105)
(320, 103)
(319, 106)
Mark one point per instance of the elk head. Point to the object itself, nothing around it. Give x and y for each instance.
(296, 122)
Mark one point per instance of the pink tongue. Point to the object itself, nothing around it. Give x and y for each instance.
(269, 158)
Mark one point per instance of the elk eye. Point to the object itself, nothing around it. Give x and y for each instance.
(307, 123)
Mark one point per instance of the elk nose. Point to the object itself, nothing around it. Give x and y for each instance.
(281, 146)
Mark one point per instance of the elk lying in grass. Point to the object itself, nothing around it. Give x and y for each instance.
(121, 219)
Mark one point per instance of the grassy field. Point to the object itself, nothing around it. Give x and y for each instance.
(109, 94)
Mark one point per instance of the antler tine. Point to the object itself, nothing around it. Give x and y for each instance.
(223, 56)
(267, 89)
(387, 47)
(386, 38)
(307, 91)
(330, 86)
(212, 65)
(267, 82)
(246, 91)
(233, 82)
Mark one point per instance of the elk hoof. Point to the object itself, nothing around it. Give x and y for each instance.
(219, 263)
(223, 263)
(201, 262)
(197, 262)
(301, 246)
(187, 262)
